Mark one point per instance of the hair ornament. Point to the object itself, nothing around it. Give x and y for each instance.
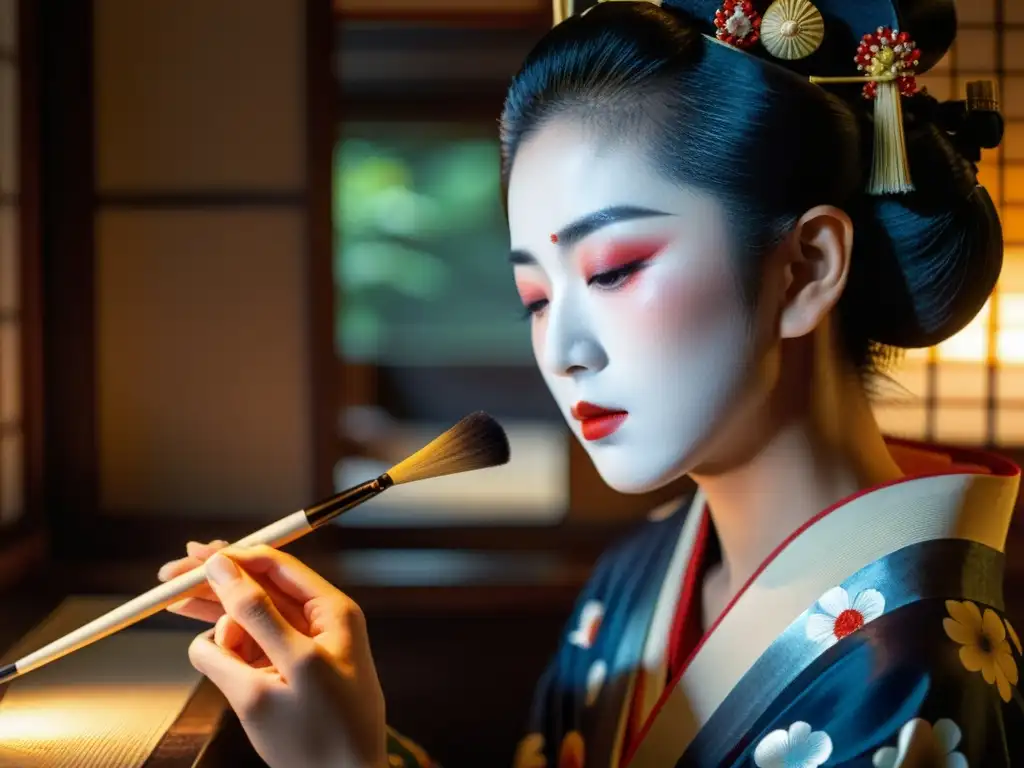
(889, 60)
(792, 29)
(890, 54)
(738, 24)
(885, 62)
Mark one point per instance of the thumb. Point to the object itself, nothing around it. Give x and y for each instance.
(249, 604)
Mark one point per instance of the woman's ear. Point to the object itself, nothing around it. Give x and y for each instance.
(817, 263)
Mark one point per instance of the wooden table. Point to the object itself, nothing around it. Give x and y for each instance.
(459, 641)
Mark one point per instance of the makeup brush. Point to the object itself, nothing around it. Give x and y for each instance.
(476, 442)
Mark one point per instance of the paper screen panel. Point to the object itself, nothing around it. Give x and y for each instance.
(104, 706)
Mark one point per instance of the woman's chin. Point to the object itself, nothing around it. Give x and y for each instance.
(634, 478)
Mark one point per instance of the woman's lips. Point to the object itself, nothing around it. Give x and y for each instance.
(597, 422)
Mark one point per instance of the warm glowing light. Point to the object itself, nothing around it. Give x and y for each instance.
(911, 355)
(60, 726)
(1010, 333)
(1010, 321)
(971, 344)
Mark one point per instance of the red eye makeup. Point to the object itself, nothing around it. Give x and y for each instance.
(614, 265)
(612, 257)
(531, 294)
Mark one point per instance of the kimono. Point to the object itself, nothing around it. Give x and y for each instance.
(876, 635)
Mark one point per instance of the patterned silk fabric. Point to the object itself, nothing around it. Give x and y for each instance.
(876, 636)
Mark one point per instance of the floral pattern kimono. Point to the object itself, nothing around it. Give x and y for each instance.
(875, 636)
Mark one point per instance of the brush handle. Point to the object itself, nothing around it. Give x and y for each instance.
(277, 534)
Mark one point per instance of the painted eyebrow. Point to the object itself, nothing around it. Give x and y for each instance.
(589, 224)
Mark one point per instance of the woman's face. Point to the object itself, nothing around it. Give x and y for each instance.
(638, 322)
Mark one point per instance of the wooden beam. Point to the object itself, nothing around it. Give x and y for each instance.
(67, 246)
(321, 132)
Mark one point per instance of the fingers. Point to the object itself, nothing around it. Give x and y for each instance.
(198, 608)
(203, 605)
(230, 636)
(197, 554)
(245, 688)
(289, 574)
(330, 615)
(249, 604)
(204, 551)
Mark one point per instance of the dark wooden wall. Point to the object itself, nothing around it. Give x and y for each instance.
(458, 660)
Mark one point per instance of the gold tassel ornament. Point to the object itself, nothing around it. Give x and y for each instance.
(890, 169)
(889, 54)
(560, 11)
(889, 61)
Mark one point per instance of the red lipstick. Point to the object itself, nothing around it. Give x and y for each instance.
(597, 422)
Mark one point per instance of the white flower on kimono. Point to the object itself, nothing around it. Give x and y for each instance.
(799, 747)
(596, 676)
(591, 615)
(841, 616)
(664, 512)
(530, 752)
(921, 743)
(983, 644)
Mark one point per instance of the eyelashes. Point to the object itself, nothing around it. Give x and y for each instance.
(611, 280)
(618, 277)
(533, 308)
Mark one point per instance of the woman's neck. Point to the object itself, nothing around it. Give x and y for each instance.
(816, 442)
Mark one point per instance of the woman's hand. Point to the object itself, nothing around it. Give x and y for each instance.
(291, 654)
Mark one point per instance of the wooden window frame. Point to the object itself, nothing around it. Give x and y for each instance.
(991, 403)
(23, 544)
(595, 513)
(82, 531)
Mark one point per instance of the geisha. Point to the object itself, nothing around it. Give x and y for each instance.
(725, 221)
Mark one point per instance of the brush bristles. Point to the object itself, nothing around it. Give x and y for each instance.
(476, 442)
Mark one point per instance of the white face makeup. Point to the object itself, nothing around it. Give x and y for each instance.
(641, 315)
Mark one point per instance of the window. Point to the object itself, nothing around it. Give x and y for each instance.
(425, 299)
(11, 433)
(428, 324)
(970, 389)
(426, 328)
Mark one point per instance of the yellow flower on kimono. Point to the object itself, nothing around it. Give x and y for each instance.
(572, 754)
(414, 751)
(530, 752)
(983, 644)
(1013, 636)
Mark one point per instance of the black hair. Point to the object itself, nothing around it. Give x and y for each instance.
(770, 145)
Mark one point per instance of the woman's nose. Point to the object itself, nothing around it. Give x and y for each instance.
(572, 346)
